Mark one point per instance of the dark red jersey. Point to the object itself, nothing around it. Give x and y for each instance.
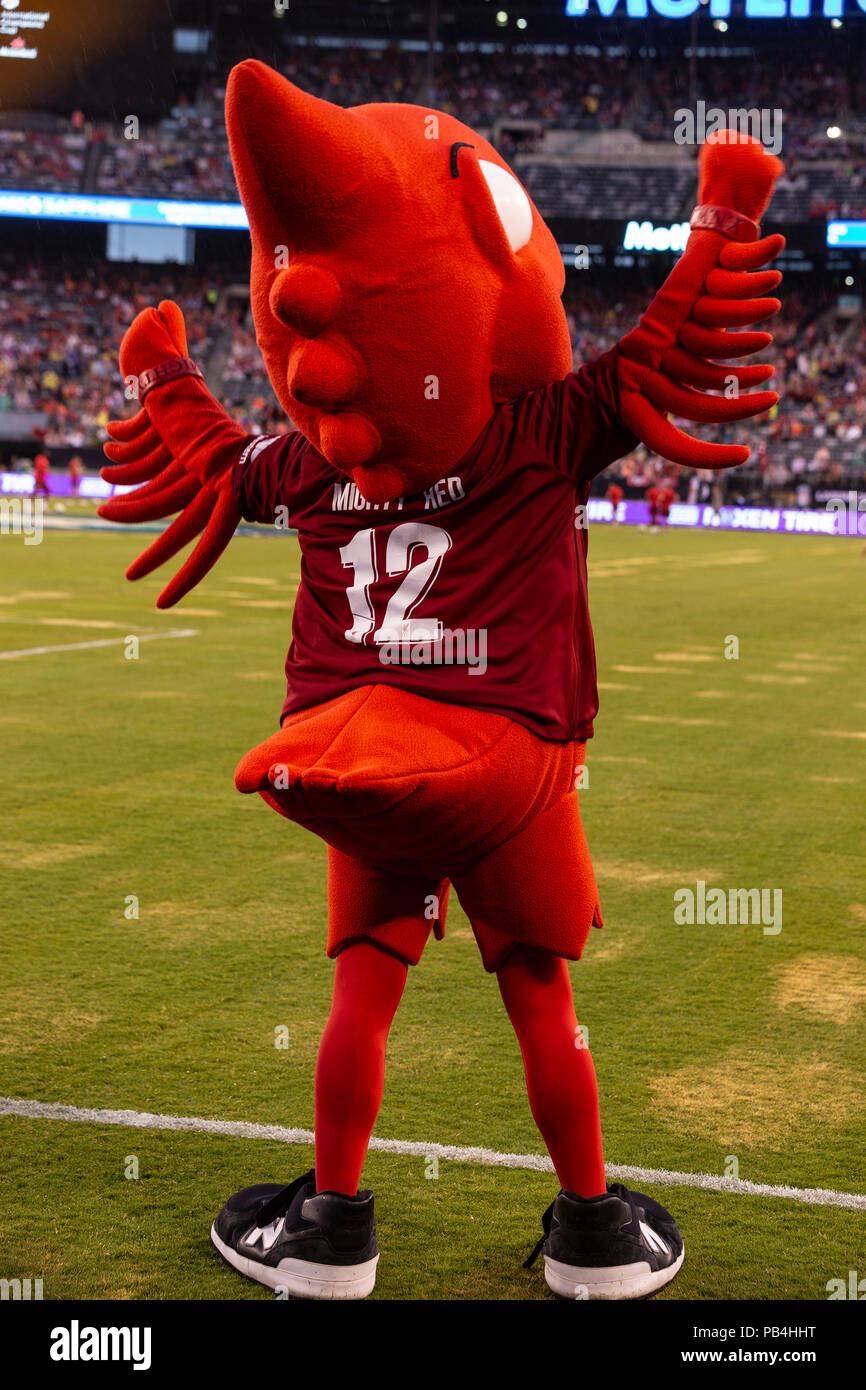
(473, 591)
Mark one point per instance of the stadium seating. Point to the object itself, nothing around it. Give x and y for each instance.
(592, 190)
(59, 334)
(59, 359)
(585, 91)
(59, 329)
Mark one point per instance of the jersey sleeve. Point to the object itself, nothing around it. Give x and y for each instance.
(266, 476)
(576, 421)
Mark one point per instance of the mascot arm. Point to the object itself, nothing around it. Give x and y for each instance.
(578, 421)
(180, 448)
(666, 364)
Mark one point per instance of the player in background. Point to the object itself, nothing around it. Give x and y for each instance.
(40, 475)
(614, 496)
(76, 469)
(653, 499)
(666, 498)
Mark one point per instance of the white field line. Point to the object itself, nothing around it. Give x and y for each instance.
(242, 1129)
(102, 642)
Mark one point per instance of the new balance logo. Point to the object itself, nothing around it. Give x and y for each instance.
(653, 1240)
(265, 1236)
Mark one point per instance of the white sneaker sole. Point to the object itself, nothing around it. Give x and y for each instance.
(301, 1278)
(611, 1282)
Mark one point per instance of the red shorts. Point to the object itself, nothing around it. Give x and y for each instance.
(413, 795)
(538, 889)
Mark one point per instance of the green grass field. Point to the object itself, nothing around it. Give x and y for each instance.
(715, 1046)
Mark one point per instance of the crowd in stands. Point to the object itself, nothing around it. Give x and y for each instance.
(60, 328)
(53, 161)
(811, 88)
(817, 433)
(246, 391)
(186, 154)
(560, 87)
(609, 191)
(815, 436)
(585, 93)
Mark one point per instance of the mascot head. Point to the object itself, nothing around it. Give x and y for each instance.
(402, 283)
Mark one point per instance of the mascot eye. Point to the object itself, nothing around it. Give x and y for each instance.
(512, 204)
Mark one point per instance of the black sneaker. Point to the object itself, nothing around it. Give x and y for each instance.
(299, 1242)
(620, 1244)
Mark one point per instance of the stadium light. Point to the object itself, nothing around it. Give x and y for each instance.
(721, 25)
(501, 17)
(521, 23)
(833, 132)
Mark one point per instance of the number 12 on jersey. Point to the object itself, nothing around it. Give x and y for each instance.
(403, 555)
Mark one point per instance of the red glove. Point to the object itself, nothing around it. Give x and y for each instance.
(709, 290)
(181, 447)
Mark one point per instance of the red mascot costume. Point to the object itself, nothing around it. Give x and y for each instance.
(441, 677)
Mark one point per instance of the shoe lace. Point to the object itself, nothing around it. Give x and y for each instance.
(539, 1245)
(279, 1204)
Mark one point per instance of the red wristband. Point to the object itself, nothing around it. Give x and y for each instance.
(731, 224)
(167, 371)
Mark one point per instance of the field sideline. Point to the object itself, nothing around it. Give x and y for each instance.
(721, 1050)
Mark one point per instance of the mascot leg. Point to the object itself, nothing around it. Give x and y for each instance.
(378, 925)
(560, 1077)
(316, 1237)
(350, 1070)
(532, 902)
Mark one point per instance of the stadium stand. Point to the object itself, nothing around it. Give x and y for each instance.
(60, 361)
(59, 333)
(590, 133)
(567, 189)
(564, 88)
(38, 159)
